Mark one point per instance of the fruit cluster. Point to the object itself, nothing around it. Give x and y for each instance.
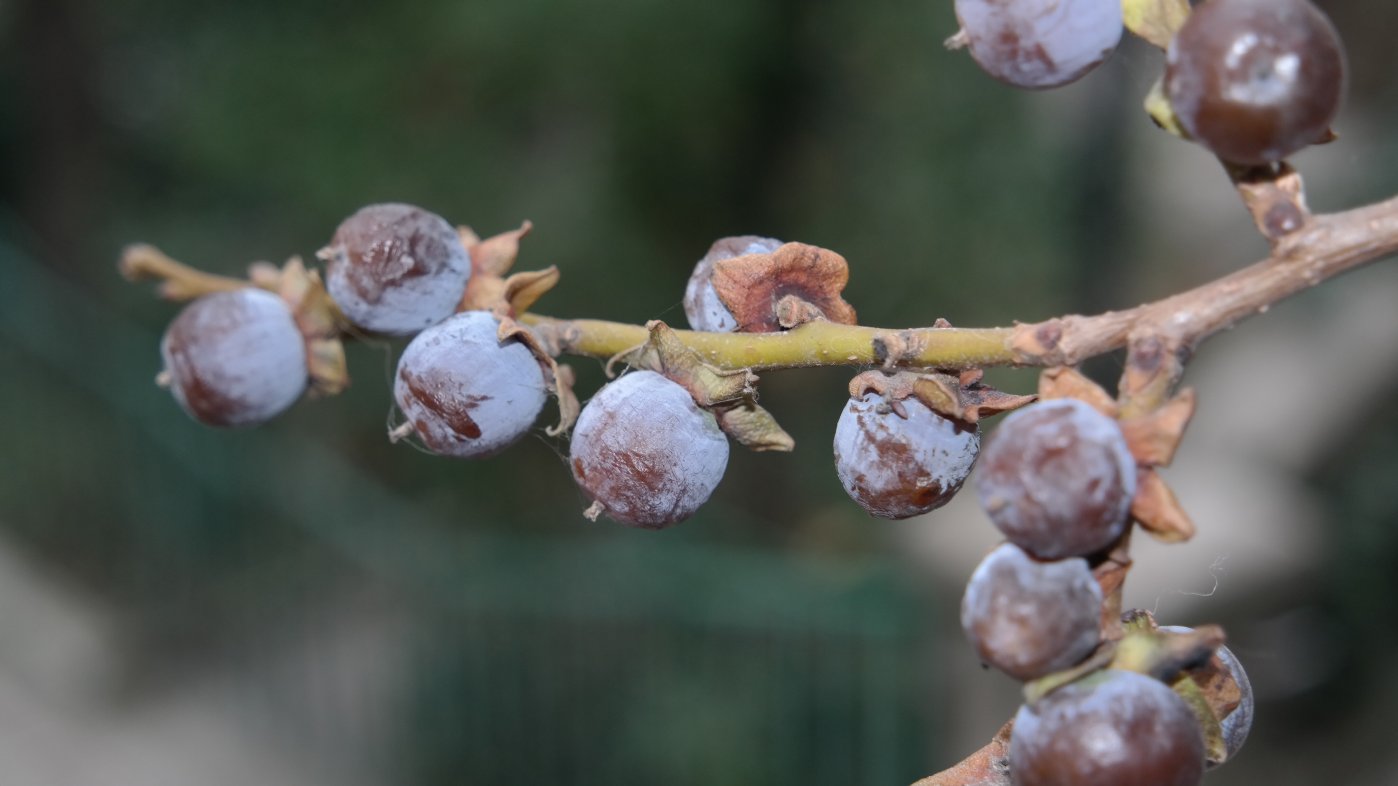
(1111, 698)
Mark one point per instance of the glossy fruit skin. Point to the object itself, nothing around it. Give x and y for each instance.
(466, 393)
(235, 358)
(1114, 728)
(1057, 478)
(1028, 617)
(1040, 44)
(898, 466)
(646, 453)
(1255, 80)
(1237, 723)
(396, 269)
(702, 306)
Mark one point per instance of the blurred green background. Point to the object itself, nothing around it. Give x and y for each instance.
(305, 603)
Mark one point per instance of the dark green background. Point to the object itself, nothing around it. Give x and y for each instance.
(775, 638)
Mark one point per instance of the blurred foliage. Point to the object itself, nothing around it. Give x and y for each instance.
(633, 135)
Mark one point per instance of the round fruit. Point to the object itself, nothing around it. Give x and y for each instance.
(235, 358)
(702, 306)
(1040, 44)
(1255, 80)
(1029, 618)
(465, 392)
(900, 465)
(1057, 478)
(646, 453)
(396, 269)
(1114, 728)
(1224, 666)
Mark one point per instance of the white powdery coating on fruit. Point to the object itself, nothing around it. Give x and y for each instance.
(1237, 724)
(702, 306)
(1115, 728)
(465, 393)
(1029, 618)
(897, 467)
(235, 358)
(1040, 43)
(407, 291)
(1042, 505)
(646, 452)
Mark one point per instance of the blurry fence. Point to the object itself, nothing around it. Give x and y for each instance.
(378, 637)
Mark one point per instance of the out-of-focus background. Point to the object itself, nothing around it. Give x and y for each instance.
(307, 604)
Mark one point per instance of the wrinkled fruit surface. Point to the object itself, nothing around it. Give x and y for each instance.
(1255, 80)
(1057, 478)
(235, 358)
(1040, 44)
(645, 452)
(1114, 728)
(897, 466)
(466, 393)
(395, 268)
(1029, 618)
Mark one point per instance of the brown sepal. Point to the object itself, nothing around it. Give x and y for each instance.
(962, 397)
(989, 766)
(1154, 437)
(1157, 510)
(730, 395)
(523, 290)
(317, 317)
(792, 285)
(559, 377)
(1068, 382)
(495, 255)
(490, 288)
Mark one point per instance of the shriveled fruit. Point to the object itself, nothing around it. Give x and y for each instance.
(235, 358)
(1040, 43)
(1114, 728)
(702, 306)
(900, 462)
(1255, 80)
(465, 392)
(1028, 617)
(646, 453)
(395, 268)
(1057, 478)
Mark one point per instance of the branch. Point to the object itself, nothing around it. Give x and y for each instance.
(1323, 247)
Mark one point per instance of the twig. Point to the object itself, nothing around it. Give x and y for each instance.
(1325, 246)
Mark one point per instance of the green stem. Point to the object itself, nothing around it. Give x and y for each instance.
(812, 344)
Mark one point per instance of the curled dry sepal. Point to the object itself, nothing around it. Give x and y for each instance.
(492, 287)
(730, 395)
(1152, 437)
(316, 316)
(771, 291)
(961, 396)
(506, 295)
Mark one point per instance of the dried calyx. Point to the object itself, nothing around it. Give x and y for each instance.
(778, 290)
